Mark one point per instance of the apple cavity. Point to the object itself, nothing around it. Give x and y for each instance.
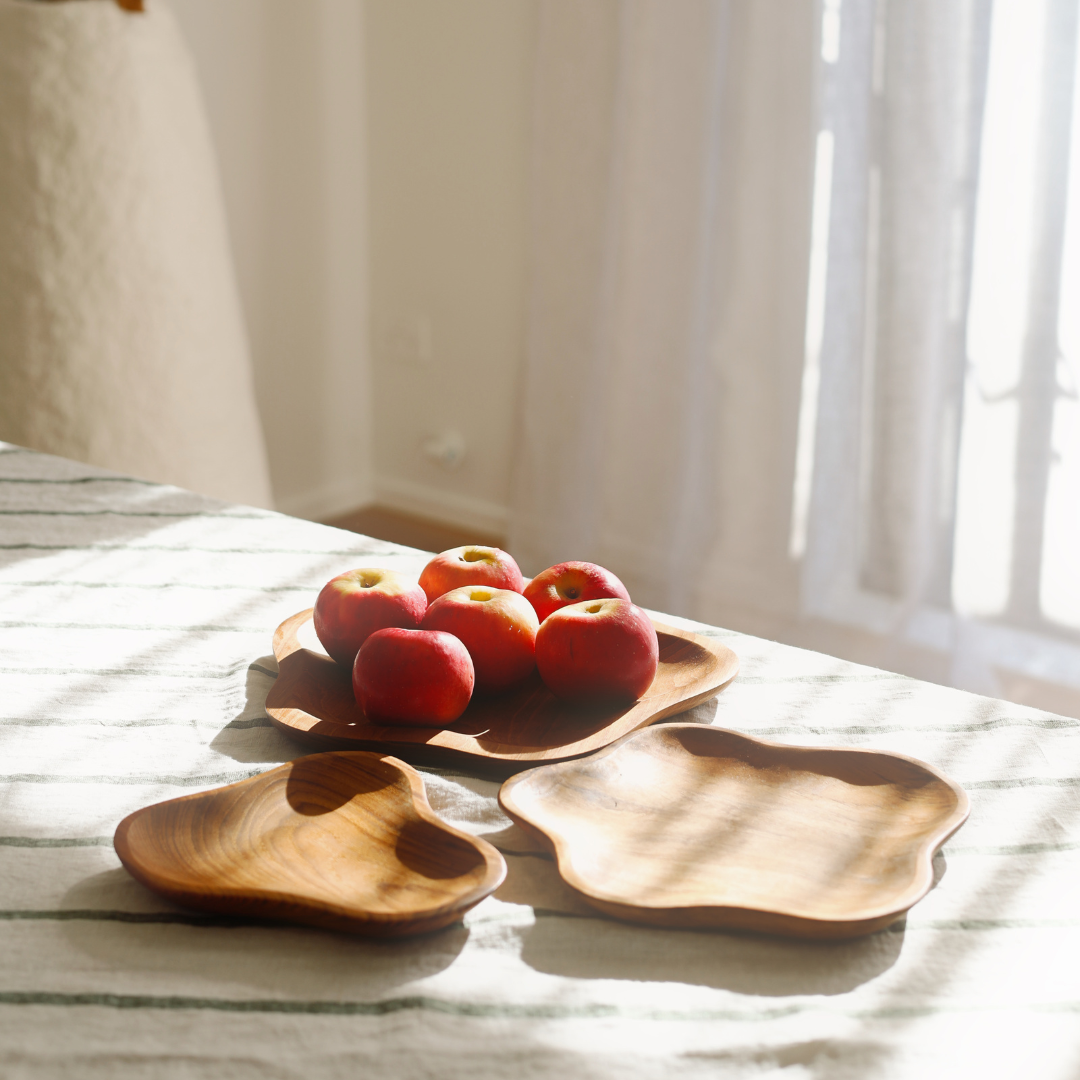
(355, 604)
(570, 583)
(420, 677)
(597, 650)
(497, 626)
(471, 565)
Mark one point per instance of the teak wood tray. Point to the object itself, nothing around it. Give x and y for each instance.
(694, 826)
(312, 700)
(344, 841)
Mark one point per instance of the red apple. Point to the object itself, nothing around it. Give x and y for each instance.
(359, 602)
(422, 677)
(497, 626)
(597, 649)
(471, 565)
(570, 583)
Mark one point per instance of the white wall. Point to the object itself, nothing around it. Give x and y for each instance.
(449, 109)
(409, 118)
(284, 92)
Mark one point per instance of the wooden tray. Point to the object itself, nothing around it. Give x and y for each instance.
(688, 825)
(345, 841)
(312, 700)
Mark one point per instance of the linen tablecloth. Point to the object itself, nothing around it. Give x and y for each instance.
(135, 624)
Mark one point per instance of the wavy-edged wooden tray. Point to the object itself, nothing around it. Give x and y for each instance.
(312, 700)
(695, 826)
(344, 841)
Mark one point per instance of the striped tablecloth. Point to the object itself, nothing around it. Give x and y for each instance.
(135, 626)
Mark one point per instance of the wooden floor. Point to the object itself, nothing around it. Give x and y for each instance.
(385, 524)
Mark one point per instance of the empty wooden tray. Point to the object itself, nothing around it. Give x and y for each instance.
(688, 825)
(345, 841)
(312, 700)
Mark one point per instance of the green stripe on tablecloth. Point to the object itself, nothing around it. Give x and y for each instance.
(63, 583)
(21, 624)
(773, 680)
(993, 924)
(191, 919)
(25, 624)
(900, 927)
(217, 921)
(182, 549)
(269, 516)
(136, 917)
(223, 778)
(80, 480)
(371, 1008)
(501, 1010)
(1049, 723)
(55, 841)
(156, 721)
(1012, 849)
(153, 673)
(949, 851)
(969, 785)
(1021, 782)
(171, 780)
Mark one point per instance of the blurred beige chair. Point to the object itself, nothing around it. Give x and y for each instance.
(121, 337)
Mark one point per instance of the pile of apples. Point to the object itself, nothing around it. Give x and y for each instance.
(418, 651)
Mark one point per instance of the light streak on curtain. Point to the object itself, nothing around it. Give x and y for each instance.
(837, 404)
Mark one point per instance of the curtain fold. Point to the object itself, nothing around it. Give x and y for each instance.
(804, 316)
(901, 106)
(661, 275)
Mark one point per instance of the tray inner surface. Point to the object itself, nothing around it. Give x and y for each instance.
(338, 839)
(312, 699)
(685, 817)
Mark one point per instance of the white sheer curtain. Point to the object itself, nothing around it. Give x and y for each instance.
(673, 154)
(805, 324)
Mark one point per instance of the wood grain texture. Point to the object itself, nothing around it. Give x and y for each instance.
(312, 700)
(694, 826)
(343, 840)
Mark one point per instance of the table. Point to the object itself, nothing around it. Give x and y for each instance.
(135, 624)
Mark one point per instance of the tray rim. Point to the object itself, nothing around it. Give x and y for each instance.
(446, 744)
(325, 914)
(768, 920)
